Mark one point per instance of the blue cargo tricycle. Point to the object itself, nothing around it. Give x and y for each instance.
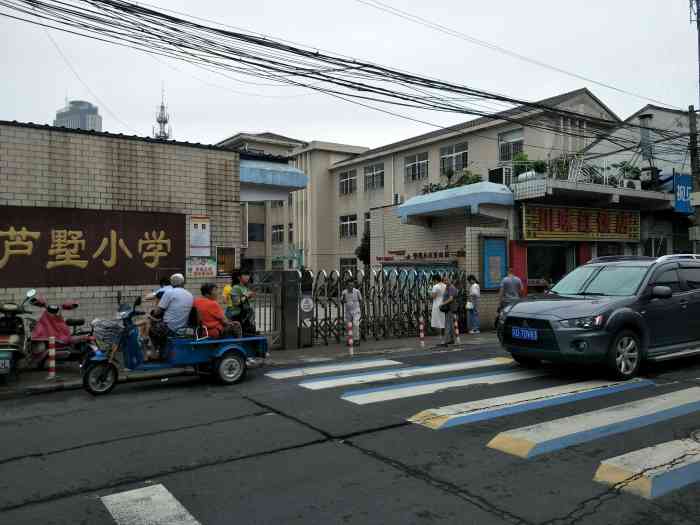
(223, 359)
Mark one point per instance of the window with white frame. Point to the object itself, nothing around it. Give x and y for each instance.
(348, 226)
(416, 167)
(454, 158)
(277, 233)
(348, 265)
(348, 182)
(374, 176)
(510, 144)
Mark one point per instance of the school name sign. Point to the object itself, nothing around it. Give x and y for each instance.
(71, 247)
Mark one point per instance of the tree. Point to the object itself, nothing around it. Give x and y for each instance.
(362, 251)
(521, 163)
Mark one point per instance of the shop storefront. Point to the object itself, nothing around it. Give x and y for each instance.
(556, 239)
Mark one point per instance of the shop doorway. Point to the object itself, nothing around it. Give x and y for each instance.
(548, 263)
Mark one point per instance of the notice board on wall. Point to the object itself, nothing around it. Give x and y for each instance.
(73, 247)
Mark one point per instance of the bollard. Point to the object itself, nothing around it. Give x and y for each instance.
(351, 350)
(421, 331)
(457, 338)
(51, 361)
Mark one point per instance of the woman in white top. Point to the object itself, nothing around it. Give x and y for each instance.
(437, 318)
(473, 305)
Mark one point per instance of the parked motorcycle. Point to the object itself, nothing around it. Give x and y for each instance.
(72, 344)
(12, 336)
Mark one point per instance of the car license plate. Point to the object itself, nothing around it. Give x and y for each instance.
(528, 334)
(5, 364)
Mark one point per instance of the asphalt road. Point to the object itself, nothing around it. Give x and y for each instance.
(336, 447)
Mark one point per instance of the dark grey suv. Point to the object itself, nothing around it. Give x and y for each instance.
(619, 311)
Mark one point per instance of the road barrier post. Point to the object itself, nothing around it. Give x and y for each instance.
(351, 349)
(421, 331)
(456, 325)
(52, 358)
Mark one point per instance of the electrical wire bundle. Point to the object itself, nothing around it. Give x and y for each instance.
(222, 49)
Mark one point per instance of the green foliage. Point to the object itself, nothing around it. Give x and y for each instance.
(627, 170)
(522, 164)
(466, 178)
(362, 251)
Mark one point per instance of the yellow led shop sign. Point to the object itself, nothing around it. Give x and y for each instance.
(544, 223)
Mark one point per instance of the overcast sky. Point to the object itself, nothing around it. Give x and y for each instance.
(643, 46)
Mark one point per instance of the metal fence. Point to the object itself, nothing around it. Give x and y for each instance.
(393, 302)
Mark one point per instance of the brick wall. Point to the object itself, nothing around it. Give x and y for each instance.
(49, 167)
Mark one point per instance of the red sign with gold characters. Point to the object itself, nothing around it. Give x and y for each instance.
(69, 247)
(545, 223)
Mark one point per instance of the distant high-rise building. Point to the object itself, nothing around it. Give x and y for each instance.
(79, 114)
(164, 131)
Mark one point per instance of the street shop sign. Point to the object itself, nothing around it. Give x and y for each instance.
(682, 188)
(546, 223)
(72, 247)
(201, 267)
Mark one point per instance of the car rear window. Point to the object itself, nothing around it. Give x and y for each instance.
(616, 280)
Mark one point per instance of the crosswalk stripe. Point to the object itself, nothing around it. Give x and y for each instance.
(533, 440)
(483, 409)
(653, 471)
(421, 388)
(325, 369)
(385, 375)
(153, 505)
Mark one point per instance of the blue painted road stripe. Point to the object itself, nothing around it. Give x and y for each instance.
(485, 409)
(554, 435)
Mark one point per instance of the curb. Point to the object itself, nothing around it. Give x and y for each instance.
(60, 385)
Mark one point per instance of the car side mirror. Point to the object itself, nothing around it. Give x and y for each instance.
(661, 292)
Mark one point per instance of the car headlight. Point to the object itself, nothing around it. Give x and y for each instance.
(587, 323)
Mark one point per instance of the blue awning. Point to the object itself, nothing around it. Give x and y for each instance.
(466, 199)
(272, 174)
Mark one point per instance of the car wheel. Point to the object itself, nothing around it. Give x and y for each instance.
(528, 362)
(231, 368)
(625, 355)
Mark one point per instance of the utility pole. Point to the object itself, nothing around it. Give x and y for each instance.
(694, 17)
(693, 147)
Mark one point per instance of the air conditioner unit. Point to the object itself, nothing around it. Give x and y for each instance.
(398, 198)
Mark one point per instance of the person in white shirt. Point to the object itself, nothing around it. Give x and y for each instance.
(437, 318)
(473, 305)
(352, 300)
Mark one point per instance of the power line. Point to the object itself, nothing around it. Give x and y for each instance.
(94, 95)
(130, 25)
(376, 4)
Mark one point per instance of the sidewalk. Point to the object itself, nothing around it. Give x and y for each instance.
(32, 382)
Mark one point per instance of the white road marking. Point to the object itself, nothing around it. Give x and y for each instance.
(371, 377)
(482, 409)
(153, 505)
(546, 437)
(324, 369)
(653, 471)
(377, 395)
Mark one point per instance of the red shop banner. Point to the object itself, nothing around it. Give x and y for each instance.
(542, 223)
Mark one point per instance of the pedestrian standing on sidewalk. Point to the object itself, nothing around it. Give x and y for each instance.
(437, 318)
(449, 306)
(511, 291)
(473, 297)
(352, 300)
